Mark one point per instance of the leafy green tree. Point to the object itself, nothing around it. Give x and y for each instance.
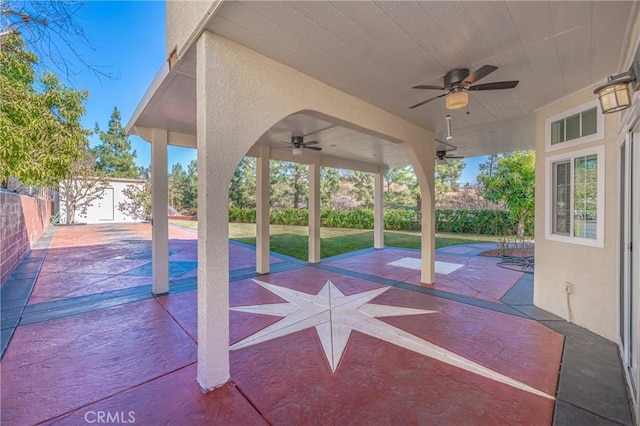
(329, 186)
(448, 173)
(177, 181)
(242, 190)
(138, 200)
(114, 155)
(190, 190)
(40, 131)
(363, 188)
(289, 184)
(489, 165)
(511, 182)
(407, 191)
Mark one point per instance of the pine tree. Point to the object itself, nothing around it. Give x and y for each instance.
(115, 157)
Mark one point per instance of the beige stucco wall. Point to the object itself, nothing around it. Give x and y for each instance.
(591, 271)
(184, 18)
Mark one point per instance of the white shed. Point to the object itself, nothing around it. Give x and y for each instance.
(104, 206)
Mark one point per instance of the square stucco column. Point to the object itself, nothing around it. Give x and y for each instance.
(213, 234)
(262, 210)
(314, 210)
(160, 221)
(428, 235)
(378, 211)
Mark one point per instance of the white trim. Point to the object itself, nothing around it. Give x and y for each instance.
(599, 135)
(570, 156)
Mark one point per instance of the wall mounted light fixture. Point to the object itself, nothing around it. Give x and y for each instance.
(615, 95)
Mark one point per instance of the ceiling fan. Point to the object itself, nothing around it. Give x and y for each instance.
(459, 81)
(298, 144)
(442, 157)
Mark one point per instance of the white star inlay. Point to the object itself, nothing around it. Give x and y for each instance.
(335, 315)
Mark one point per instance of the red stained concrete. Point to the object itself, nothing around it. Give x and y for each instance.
(56, 366)
(290, 382)
(141, 356)
(174, 399)
(517, 347)
(91, 259)
(480, 277)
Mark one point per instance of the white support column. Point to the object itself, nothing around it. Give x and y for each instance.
(213, 231)
(428, 224)
(428, 240)
(262, 210)
(378, 211)
(160, 220)
(314, 210)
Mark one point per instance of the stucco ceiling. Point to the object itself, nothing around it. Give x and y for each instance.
(378, 50)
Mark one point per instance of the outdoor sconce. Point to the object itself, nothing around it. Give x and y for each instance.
(615, 95)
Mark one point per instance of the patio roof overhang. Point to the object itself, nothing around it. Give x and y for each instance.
(378, 51)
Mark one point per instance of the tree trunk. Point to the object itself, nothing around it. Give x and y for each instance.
(71, 212)
(520, 231)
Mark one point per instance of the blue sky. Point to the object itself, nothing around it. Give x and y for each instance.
(129, 40)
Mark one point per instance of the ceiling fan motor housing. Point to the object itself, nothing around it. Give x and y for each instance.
(455, 77)
(297, 141)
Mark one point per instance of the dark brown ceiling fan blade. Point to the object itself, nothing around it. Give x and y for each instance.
(428, 87)
(495, 86)
(315, 148)
(480, 73)
(311, 143)
(428, 100)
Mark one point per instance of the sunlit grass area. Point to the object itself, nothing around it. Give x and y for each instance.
(292, 240)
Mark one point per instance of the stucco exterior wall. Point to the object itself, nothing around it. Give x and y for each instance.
(23, 220)
(591, 271)
(183, 20)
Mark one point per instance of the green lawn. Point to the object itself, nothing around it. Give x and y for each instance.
(292, 240)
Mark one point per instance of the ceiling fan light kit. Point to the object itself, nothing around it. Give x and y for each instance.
(457, 99)
(297, 152)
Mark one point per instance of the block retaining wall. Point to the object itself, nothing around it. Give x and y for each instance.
(23, 220)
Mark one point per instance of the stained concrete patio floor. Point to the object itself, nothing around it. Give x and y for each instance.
(83, 336)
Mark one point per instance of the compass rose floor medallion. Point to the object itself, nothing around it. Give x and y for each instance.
(334, 315)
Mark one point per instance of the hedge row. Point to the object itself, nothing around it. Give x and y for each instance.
(489, 222)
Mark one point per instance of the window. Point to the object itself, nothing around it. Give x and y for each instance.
(561, 198)
(578, 125)
(575, 188)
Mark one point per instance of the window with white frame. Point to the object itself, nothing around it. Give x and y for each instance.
(575, 194)
(582, 124)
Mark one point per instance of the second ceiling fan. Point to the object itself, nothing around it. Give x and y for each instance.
(459, 81)
(298, 143)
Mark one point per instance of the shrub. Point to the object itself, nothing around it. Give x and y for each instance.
(467, 221)
(242, 215)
